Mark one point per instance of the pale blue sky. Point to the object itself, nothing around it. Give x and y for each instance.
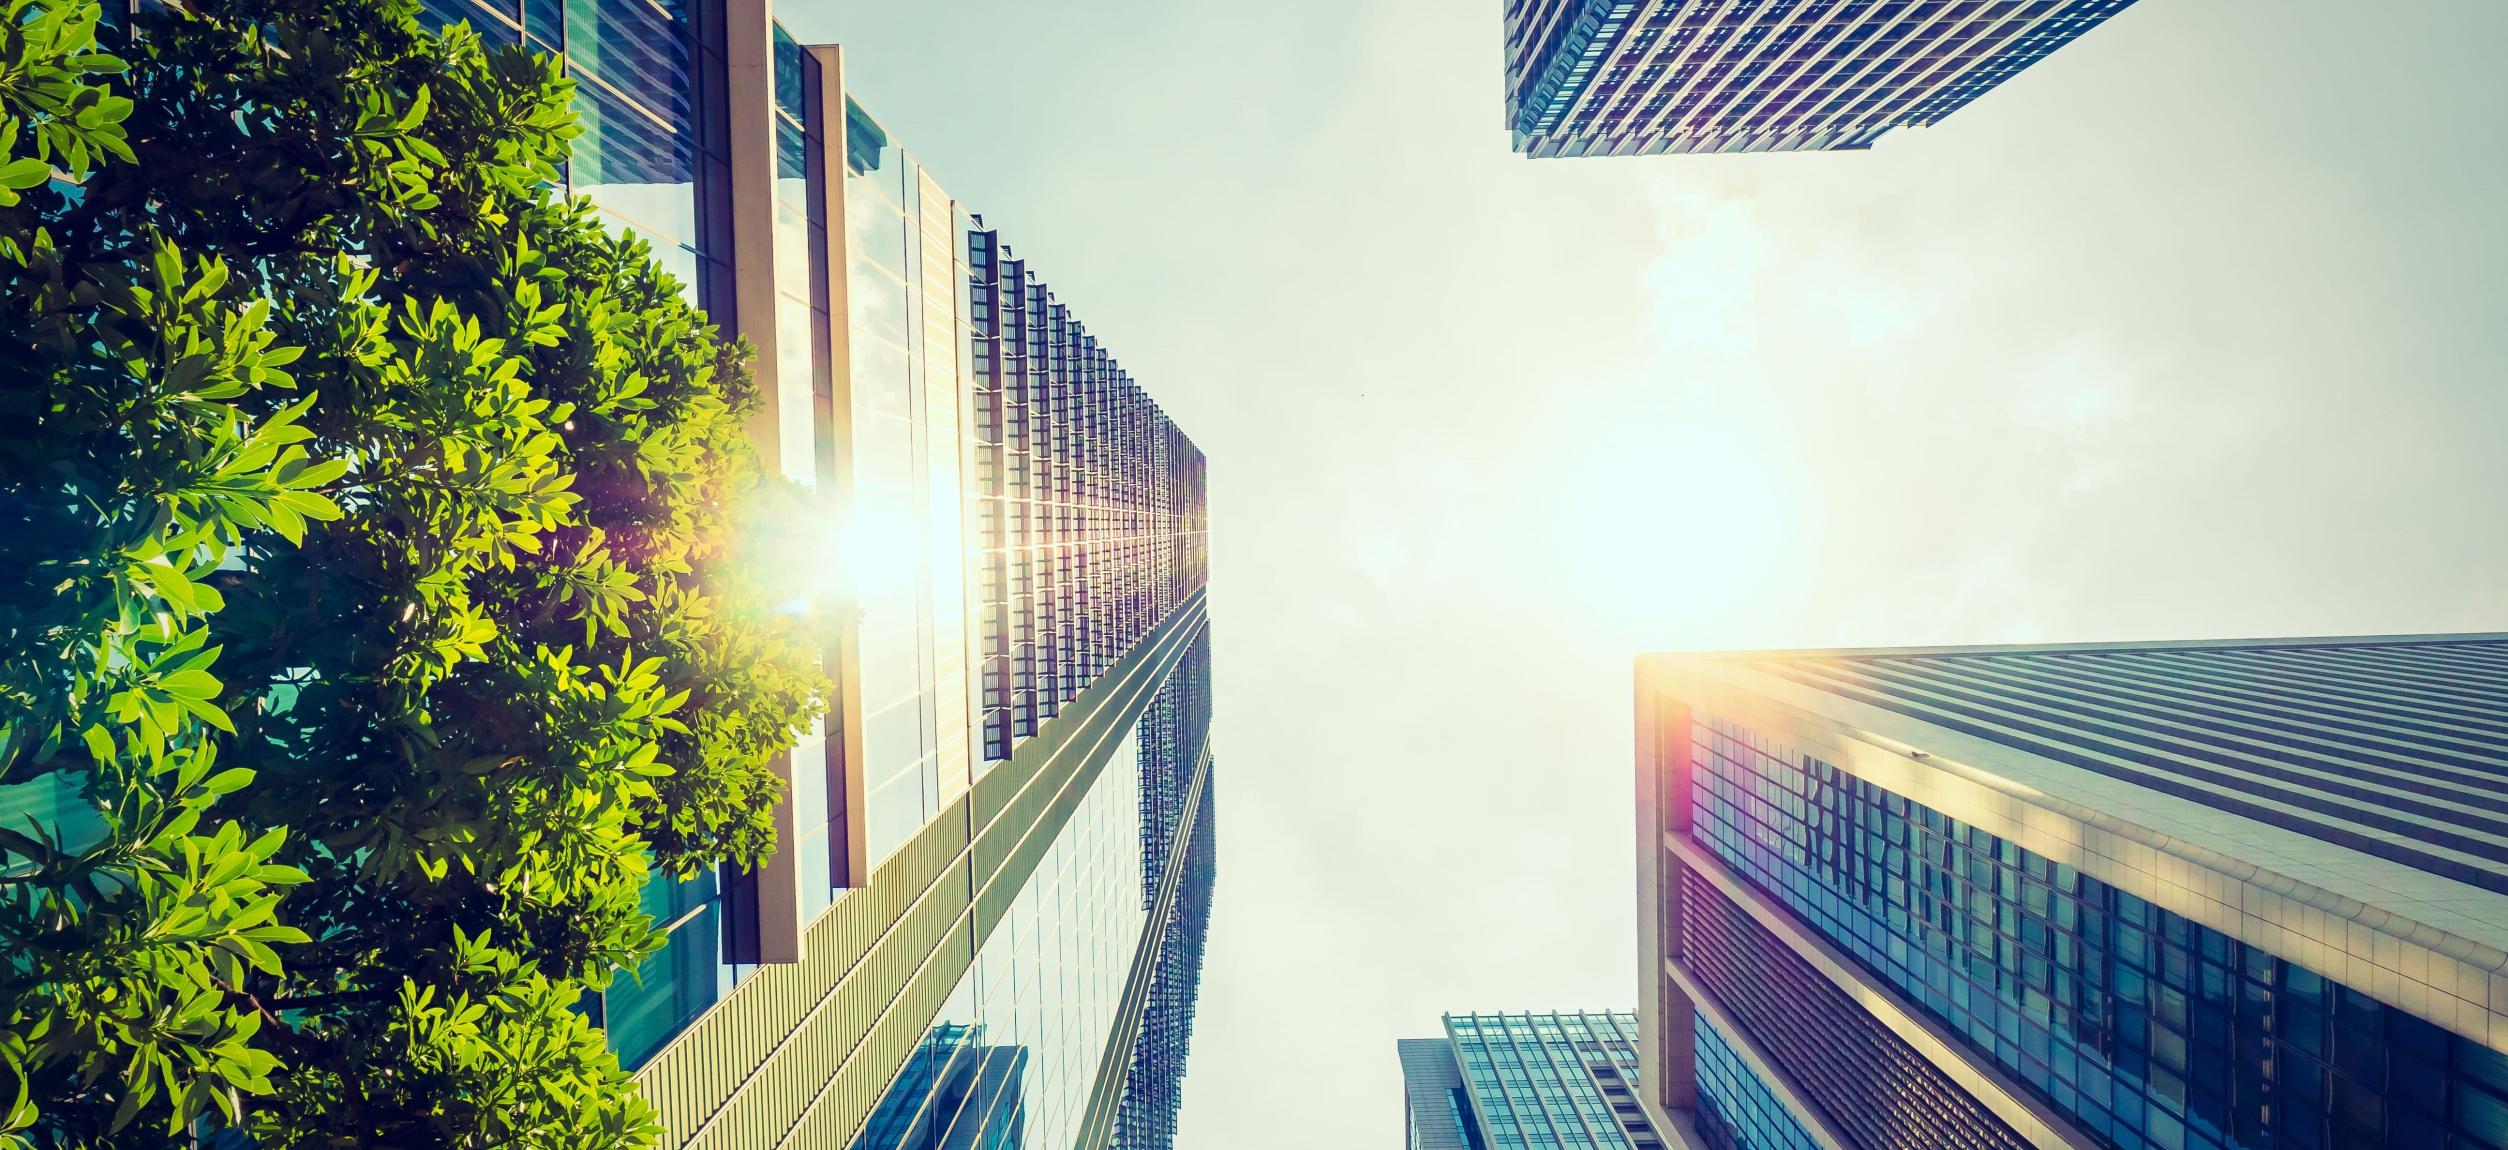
(2195, 329)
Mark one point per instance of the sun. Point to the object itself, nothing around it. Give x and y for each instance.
(1671, 536)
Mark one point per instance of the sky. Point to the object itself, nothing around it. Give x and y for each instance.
(2195, 329)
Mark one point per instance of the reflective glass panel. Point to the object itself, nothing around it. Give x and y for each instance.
(2145, 1028)
(1012, 1057)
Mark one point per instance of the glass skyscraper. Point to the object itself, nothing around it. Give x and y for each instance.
(2180, 896)
(1644, 77)
(1525, 1082)
(983, 925)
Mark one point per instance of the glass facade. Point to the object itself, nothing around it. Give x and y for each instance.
(1051, 978)
(1435, 1106)
(903, 288)
(972, 1097)
(1011, 537)
(643, 1008)
(1048, 982)
(2390, 748)
(57, 804)
(1176, 731)
(1877, 1091)
(1561, 63)
(1615, 77)
(1153, 1092)
(803, 378)
(1536, 1081)
(2144, 1029)
(1735, 1109)
(1092, 523)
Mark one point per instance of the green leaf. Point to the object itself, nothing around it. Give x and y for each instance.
(383, 673)
(25, 173)
(99, 744)
(208, 713)
(190, 684)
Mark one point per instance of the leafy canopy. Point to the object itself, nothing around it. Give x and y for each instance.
(377, 630)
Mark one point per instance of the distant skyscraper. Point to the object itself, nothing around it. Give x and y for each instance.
(2183, 896)
(1642, 77)
(982, 926)
(1525, 1082)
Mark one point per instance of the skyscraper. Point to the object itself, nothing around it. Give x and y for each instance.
(2197, 896)
(1525, 1082)
(1643, 77)
(982, 926)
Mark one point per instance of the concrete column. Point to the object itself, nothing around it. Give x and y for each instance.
(1666, 1018)
(749, 57)
(848, 830)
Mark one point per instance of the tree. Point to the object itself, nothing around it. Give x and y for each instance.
(344, 454)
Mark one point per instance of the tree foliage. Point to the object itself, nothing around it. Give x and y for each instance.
(379, 605)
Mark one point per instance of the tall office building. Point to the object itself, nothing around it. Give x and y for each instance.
(982, 927)
(1525, 1082)
(1644, 77)
(2188, 896)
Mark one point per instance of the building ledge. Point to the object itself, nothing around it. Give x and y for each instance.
(2033, 1120)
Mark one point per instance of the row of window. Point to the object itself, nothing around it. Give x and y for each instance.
(1091, 504)
(2146, 1029)
(1874, 1088)
(1012, 1057)
(907, 550)
(1548, 1079)
(1177, 725)
(1735, 1109)
(1722, 62)
(2381, 751)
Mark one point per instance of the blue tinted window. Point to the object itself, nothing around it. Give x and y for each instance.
(1736, 1111)
(1016, 1047)
(544, 25)
(792, 153)
(623, 144)
(794, 82)
(2147, 1029)
(53, 805)
(1542, 1080)
(637, 48)
(645, 1007)
(494, 21)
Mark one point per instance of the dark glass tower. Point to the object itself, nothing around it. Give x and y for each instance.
(1643, 77)
(1525, 1082)
(2191, 896)
(1014, 780)
(1153, 1089)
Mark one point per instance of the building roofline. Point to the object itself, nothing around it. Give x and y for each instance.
(2264, 643)
(2279, 878)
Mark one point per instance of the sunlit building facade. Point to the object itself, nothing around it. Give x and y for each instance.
(2181, 896)
(1646, 77)
(1533, 1081)
(1070, 981)
(986, 848)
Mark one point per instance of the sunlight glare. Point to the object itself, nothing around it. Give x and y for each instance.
(1671, 535)
(805, 562)
(882, 551)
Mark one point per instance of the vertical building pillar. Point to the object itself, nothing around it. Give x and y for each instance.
(1667, 1021)
(848, 831)
(749, 74)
